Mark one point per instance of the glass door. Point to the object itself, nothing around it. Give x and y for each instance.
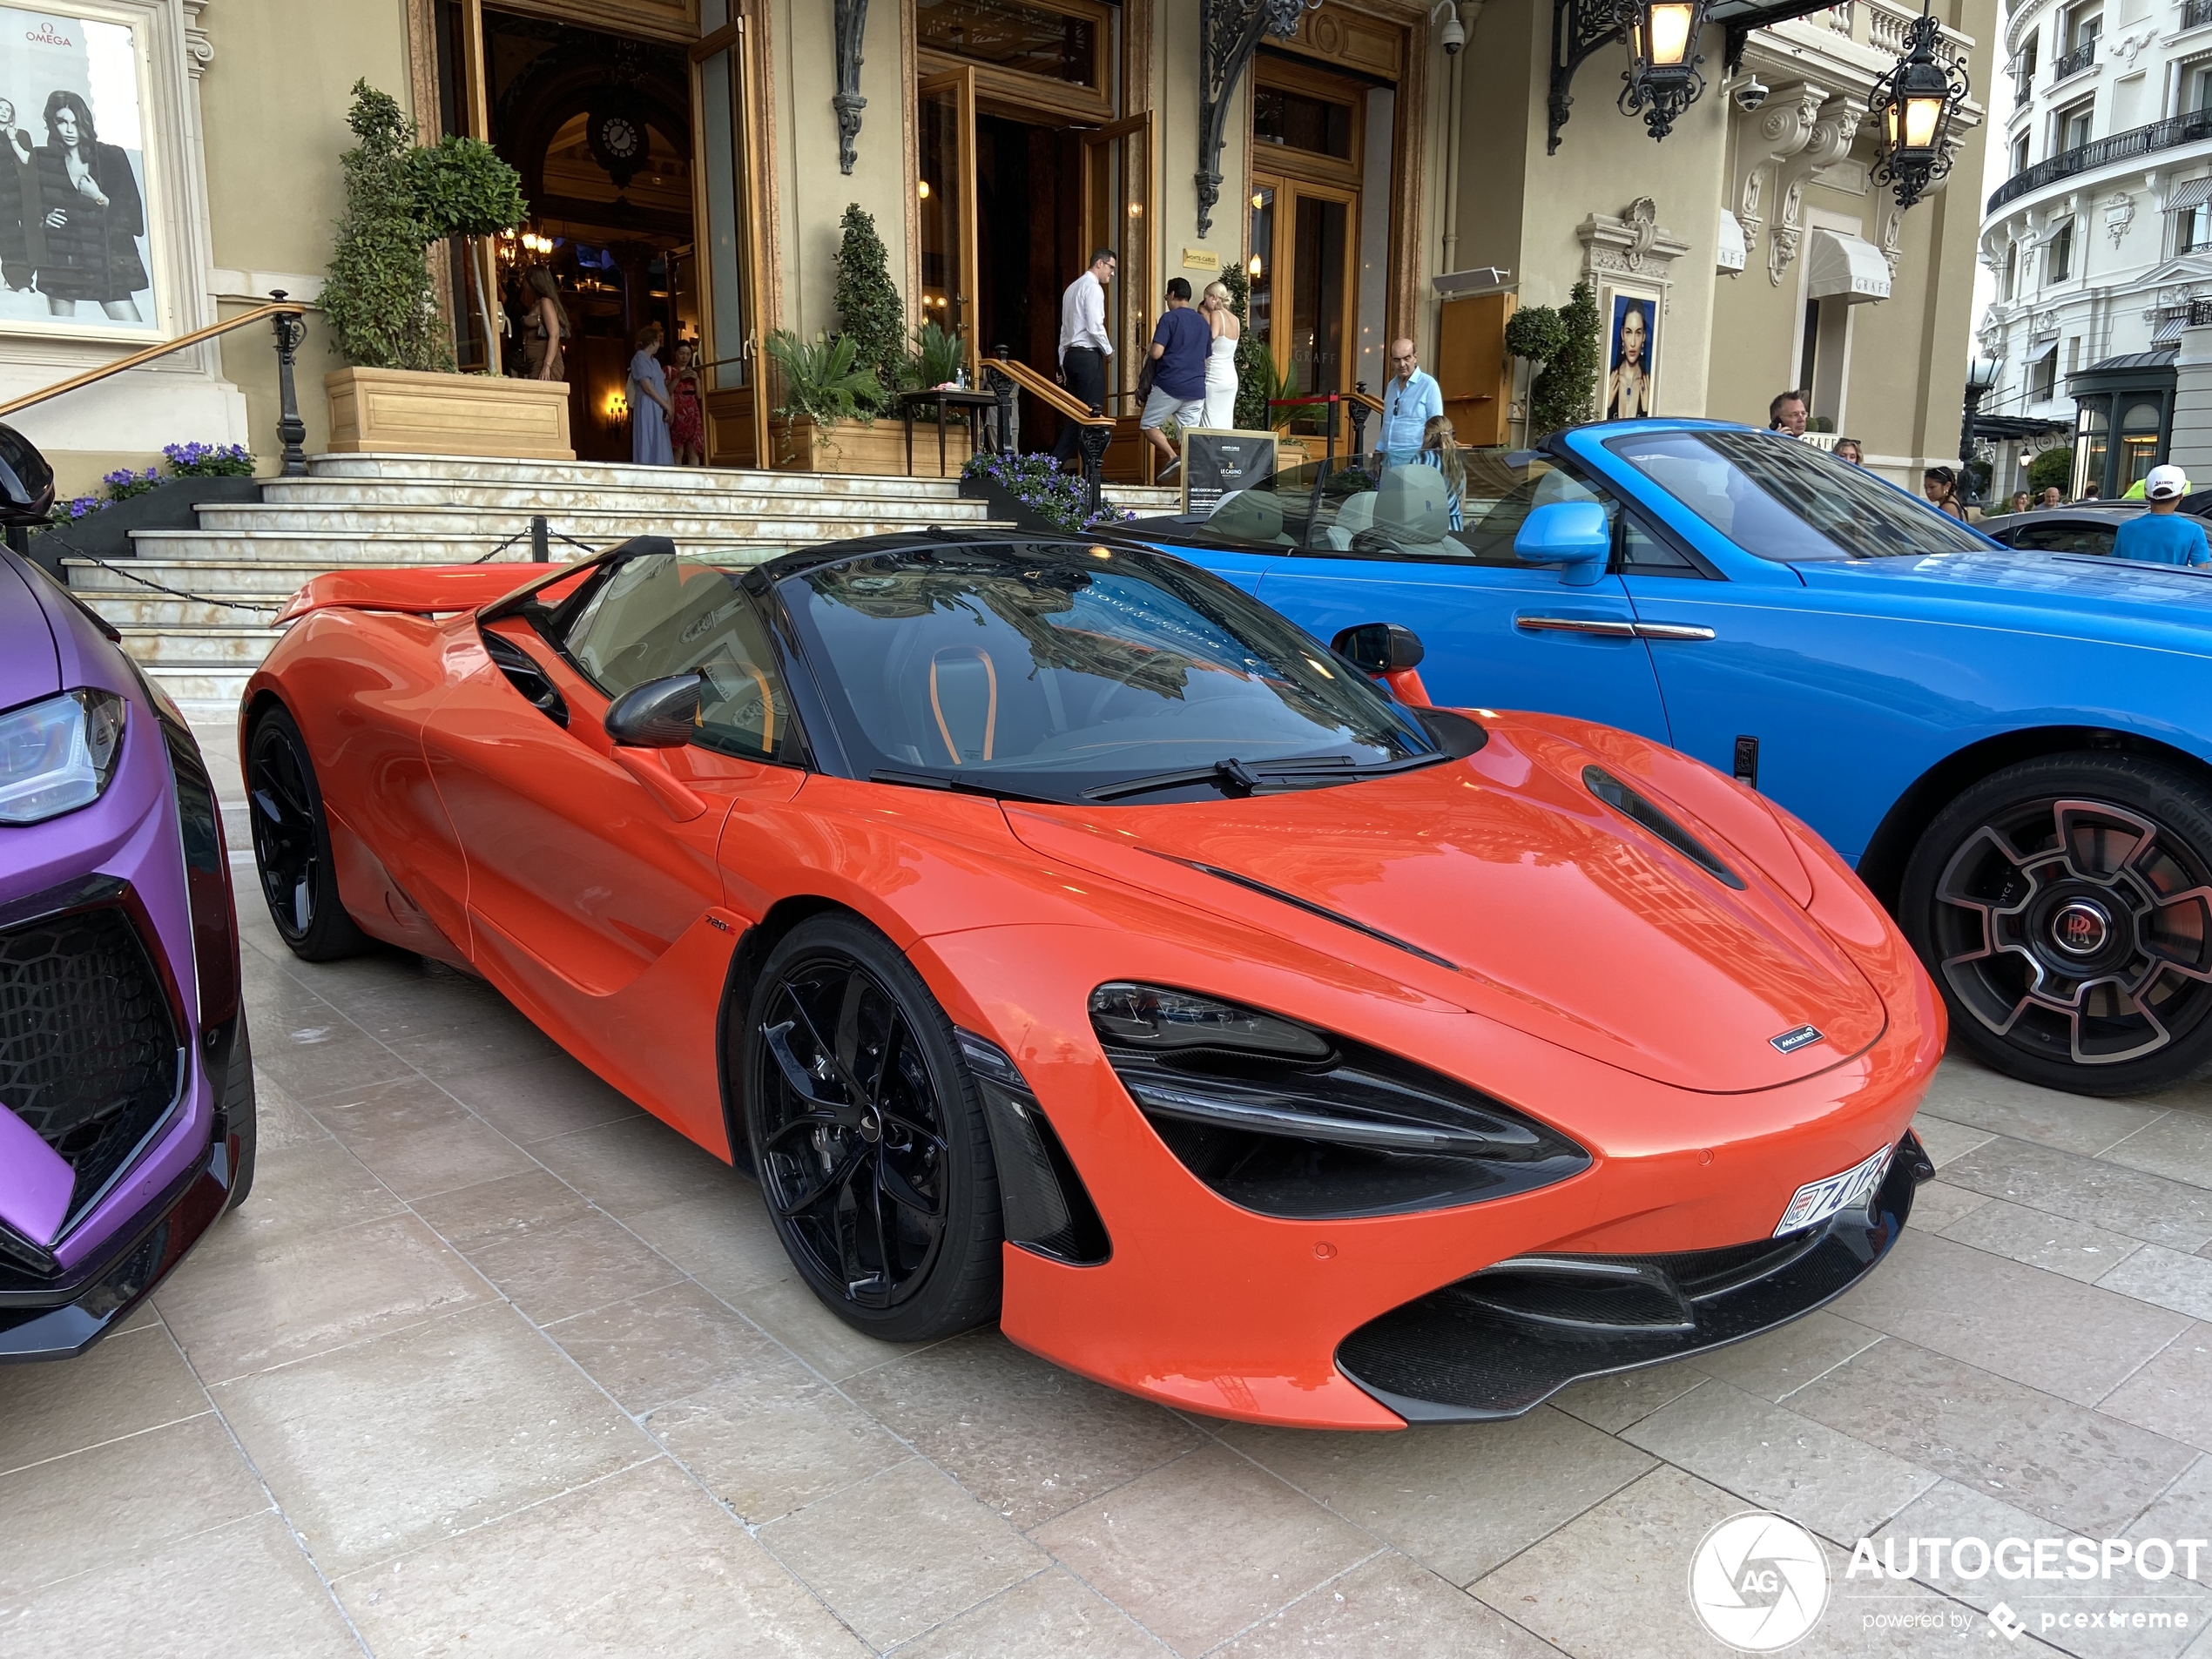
(1117, 213)
(1304, 290)
(945, 115)
(726, 213)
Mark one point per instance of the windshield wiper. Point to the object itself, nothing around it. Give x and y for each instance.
(1238, 778)
(958, 786)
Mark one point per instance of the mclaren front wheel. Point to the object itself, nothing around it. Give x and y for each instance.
(292, 844)
(868, 1136)
(2064, 905)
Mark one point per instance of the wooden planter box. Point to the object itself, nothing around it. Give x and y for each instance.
(878, 450)
(400, 410)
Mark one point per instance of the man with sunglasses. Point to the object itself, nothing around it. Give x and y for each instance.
(1411, 399)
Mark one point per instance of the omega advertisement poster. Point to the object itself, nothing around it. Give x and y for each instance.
(1631, 354)
(74, 256)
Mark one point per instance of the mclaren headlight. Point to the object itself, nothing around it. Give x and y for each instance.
(1284, 1119)
(58, 755)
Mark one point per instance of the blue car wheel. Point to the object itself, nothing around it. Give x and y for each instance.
(2065, 907)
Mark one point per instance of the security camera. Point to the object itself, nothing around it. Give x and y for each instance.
(1454, 35)
(1749, 93)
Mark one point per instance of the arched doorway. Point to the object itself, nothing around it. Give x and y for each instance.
(599, 126)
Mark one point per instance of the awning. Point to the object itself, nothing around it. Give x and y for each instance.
(1842, 266)
(2169, 332)
(1728, 243)
(2190, 192)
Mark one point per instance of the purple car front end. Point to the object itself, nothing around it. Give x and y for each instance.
(126, 1082)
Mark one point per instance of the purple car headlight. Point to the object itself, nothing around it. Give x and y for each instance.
(58, 755)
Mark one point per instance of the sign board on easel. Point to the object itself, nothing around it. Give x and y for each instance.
(1220, 461)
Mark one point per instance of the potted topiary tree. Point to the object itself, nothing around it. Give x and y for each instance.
(400, 391)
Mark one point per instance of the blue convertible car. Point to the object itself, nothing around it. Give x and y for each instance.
(2015, 749)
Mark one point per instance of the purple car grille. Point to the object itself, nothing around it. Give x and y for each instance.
(88, 1052)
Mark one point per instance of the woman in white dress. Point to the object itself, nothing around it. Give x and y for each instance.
(1220, 357)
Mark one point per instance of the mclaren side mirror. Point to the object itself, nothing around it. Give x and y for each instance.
(26, 482)
(1379, 647)
(1573, 534)
(660, 714)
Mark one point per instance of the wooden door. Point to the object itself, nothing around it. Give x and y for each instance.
(1117, 213)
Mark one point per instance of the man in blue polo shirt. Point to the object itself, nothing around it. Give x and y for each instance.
(2162, 536)
(1180, 343)
(1410, 401)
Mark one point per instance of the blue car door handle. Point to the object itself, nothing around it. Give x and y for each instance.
(1611, 628)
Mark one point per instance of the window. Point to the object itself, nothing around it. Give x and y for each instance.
(2057, 261)
(2043, 376)
(2028, 62)
(2074, 124)
(2073, 352)
(1300, 121)
(2062, 537)
(2019, 153)
(2139, 428)
(2197, 89)
(659, 614)
(1035, 40)
(1787, 501)
(2193, 228)
(2011, 267)
(2084, 27)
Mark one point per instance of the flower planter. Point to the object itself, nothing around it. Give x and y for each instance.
(398, 410)
(877, 450)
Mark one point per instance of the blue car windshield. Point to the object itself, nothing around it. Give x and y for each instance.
(1783, 500)
(1065, 672)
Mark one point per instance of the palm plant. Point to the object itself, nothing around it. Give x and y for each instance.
(822, 379)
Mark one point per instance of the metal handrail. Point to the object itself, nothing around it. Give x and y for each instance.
(2074, 62)
(1056, 397)
(290, 322)
(2196, 14)
(2191, 128)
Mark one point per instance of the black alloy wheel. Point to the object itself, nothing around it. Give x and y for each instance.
(868, 1136)
(2064, 905)
(292, 844)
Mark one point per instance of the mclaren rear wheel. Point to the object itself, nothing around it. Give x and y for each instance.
(2064, 905)
(292, 844)
(868, 1136)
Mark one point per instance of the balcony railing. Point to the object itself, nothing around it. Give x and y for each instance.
(2200, 312)
(2193, 128)
(2074, 62)
(2023, 74)
(2196, 14)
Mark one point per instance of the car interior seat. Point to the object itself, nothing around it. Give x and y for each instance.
(1250, 516)
(1357, 514)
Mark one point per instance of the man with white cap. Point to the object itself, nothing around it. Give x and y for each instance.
(2162, 536)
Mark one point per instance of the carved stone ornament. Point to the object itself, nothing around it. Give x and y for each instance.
(1890, 232)
(1834, 130)
(2119, 213)
(1776, 130)
(2125, 48)
(1629, 243)
(199, 51)
(852, 28)
(1229, 33)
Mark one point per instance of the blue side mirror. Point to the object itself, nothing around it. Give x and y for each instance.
(1572, 533)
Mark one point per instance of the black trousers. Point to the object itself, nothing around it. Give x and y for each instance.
(1084, 367)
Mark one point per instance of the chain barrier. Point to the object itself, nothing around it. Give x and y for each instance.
(535, 532)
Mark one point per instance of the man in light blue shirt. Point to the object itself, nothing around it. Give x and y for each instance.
(2162, 536)
(1410, 401)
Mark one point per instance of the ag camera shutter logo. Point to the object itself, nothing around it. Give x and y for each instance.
(1758, 1582)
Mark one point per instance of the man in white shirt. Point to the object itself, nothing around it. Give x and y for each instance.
(1411, 399)
(1084, 343)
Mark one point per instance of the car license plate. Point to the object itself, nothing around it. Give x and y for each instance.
(1818, 1200)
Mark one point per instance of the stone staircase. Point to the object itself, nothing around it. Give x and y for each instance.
(244, 561)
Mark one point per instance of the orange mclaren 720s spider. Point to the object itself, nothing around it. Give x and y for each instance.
(1061, 937)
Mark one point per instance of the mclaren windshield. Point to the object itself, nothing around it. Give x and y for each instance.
(1063, 672)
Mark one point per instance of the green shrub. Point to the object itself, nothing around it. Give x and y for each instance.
(822, 379)
(1565, 341)
(869, 312)
(1256, 379)
(377, 297)
(2052, 469)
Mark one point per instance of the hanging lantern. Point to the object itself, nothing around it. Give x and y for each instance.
(1916, 104)
(1663, 74)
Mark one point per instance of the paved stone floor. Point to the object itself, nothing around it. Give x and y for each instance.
(492, 1363)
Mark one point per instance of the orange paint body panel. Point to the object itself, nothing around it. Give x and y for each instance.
(1487, 918)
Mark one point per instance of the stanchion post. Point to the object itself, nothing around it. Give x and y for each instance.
(541, 550)
(291, 331)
